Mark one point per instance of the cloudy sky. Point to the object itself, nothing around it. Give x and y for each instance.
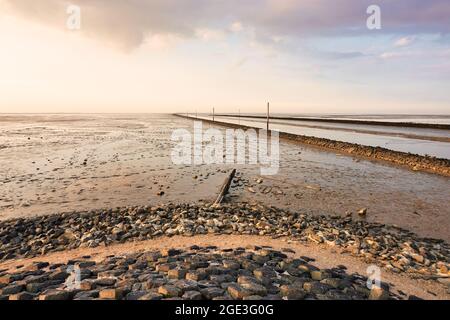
(305, 56)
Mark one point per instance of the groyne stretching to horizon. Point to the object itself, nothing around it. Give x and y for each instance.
(440, 126)
(412, 161)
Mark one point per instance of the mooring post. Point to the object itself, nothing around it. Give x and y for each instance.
(213, 114)
(268, 106)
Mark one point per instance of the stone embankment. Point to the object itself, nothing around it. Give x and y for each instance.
(208, 273)
(390, 247)
(412, 161)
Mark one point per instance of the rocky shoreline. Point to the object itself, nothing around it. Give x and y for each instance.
(412, 161)
(390, 247)
(199, 273)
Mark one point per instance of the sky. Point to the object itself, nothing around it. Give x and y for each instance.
(304, 56)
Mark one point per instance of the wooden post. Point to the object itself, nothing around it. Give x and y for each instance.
(268, 110)
(225, 187)
(213, 114)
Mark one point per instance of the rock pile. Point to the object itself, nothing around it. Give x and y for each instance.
(396, 249)
(209, 273)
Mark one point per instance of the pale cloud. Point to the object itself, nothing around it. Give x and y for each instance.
(130, 23)
(206, 34)
(400, 54)
(405, 41)
(162, 41)
(236, 27)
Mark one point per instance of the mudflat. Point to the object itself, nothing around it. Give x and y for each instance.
(60, 163)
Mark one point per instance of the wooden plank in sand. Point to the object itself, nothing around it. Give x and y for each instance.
(225, 188)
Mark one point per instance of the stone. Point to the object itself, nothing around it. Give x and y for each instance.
(21, 296)
(37, 266)
(6, 279)
(36, 279)
(12, 289)
(176, 273)
(261, 259)
(58, 275)
(219, 278)
(169, 252)
(86, 295)
(210, 293)
(153, 283)
(196, 275)
(55, 295)
(105, 282)
(292, 292)
(36, 287)
(264, 274)
(186, 285)
(151, 296)
(169, 291)
(86, 285)
(135, 295)
(85, 264)
(303, 268)
(164, 267)
(316, 287)
(111, 294)
(192, 295)
(254, 288)
(336, 283)
(317, 275)
(362, 212)
(152, 256)
(237, 292)
(230, 264)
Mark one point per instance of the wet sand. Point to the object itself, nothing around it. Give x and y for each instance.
(57, 163)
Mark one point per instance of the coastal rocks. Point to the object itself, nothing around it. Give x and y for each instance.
(267, 281)
(391, 247)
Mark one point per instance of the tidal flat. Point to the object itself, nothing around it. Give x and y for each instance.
(101, 193)
(59, 163)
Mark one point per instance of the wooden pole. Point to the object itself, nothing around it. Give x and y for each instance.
(268, 110)
(213, 114)
(225, 188)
